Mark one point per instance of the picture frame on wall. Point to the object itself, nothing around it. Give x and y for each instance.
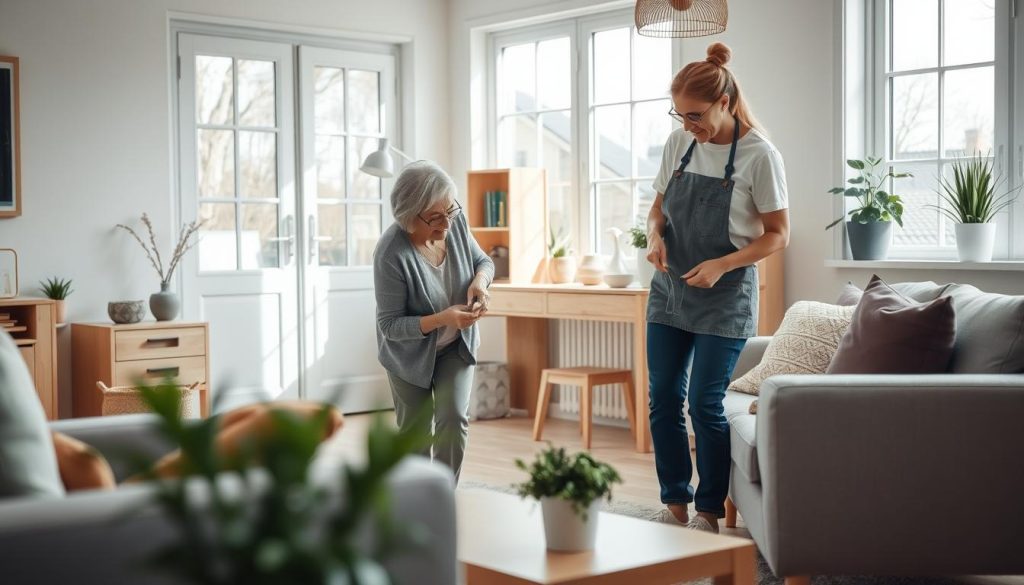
(8, 273)
(10, 139)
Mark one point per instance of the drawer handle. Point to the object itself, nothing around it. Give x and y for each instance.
(169, 341)
(172, 371)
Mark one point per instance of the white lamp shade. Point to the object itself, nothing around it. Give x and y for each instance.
(379, 164)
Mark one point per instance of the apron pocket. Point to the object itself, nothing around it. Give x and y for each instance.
(724, 308)
(712, 217)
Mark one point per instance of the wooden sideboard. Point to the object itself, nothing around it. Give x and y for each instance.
(123, 355)
(34, 331)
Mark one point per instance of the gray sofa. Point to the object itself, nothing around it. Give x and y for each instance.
(880, 475)
(104, 537)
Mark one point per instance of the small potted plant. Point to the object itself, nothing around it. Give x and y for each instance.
(644, 269)
(570, 490)
(870, 224)
(563, 264)
(971, 203)
(58, 289)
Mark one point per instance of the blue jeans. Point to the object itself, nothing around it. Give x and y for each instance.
(670, 354)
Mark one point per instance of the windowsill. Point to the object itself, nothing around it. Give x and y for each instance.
(996, 265)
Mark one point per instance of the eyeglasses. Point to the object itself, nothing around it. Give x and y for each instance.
(689, 116)
(437, 218)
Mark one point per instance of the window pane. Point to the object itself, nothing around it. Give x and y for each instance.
(644, 200)
(611, 142)
(364, 101)
(256, 93)
(557, 160)
(651, 127)
(216, 165)
(365, 222)
(915, 116)
(330, 167)
(915, 34)
(614, 209)
(611, 66)
(969, 111)
(554, 75)
(214, 90)
(217, 249)
(517, 141)
(970, 31)
(331, 224)
(364, 185)
(652, 67)
(920, 223)
(259, 224)
(517, 79)
(329, 103)
(257, 159)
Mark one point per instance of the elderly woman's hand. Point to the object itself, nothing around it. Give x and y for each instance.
(458, 316)
(477, 297)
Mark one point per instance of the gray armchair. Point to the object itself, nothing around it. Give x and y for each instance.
(880, 475)
(104, 537)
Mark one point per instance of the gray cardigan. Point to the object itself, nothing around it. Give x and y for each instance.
(398, 282)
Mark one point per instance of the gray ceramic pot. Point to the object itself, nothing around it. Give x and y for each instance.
(869, 241)
(165, 304)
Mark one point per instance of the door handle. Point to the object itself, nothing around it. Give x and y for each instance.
(315, 239)
(288, 239)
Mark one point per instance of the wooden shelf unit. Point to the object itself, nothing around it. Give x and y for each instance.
(525, 235)
(36, 337)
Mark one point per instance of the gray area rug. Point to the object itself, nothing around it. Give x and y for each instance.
(764, 573)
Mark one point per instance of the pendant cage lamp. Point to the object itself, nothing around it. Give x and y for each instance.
(681, 18)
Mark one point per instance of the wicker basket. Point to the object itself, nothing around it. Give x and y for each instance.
(128, 400)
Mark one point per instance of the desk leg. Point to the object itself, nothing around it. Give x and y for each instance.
(527, 348)
(640, 382)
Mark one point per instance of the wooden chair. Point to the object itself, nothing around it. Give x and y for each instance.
(586, 379)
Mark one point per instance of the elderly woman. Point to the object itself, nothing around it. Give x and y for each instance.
(431, 280)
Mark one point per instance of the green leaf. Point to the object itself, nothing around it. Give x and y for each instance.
(837, 190)
(854, 192)
(855, 180)
(855, 164)
(834, 223)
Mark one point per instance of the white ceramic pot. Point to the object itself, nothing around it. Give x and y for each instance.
(62, 311)
(974, 241)
(562, 270)
(564, 529)
(591, 270)
(644, 269)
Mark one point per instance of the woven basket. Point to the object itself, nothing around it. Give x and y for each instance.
(128, 400)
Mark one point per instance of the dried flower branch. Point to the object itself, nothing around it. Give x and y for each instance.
(183, 245)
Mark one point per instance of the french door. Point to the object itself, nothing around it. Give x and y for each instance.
(271, 136)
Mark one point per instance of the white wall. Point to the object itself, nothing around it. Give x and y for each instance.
(96, 131)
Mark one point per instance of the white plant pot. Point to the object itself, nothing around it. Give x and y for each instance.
(644, 269)
(974, 241)
(562, 270)
(565, 530)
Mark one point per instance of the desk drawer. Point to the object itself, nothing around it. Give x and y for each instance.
(503, 302)
(603, 306)
(187, 370)
(145, 344)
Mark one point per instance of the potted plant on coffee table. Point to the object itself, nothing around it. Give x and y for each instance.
(570, 489)
(870, 224)
(563, 263)
(971, 203)
(59, 290)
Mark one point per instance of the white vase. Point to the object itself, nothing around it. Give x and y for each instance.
(618, 264)
(644, 269)
(562, 270)
(591, 270)
(974, 241)
(564, 529)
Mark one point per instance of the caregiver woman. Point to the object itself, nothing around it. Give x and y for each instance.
(720, 207)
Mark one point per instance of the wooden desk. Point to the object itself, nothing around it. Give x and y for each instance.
(35, 333)
(530, 306)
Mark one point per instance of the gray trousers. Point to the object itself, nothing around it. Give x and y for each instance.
(448, 399)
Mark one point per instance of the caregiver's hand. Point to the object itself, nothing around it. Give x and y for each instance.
(656, 253)
(706, 274)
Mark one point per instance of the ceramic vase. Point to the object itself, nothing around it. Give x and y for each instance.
(974, 241)
(591, 270)
(562, 270)
(644, 269)
(165, 304)
(564, 529)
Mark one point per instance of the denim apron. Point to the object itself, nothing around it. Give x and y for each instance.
(696, 210)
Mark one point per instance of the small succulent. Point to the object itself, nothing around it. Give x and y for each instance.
(559, 245)
(55, 288)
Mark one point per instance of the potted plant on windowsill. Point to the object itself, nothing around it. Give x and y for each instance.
(570, 490)
(972, 204)
(870, 224)
(563, 263)
(59, 290)
(644, 269)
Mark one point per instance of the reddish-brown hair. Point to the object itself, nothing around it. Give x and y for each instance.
(710, 79)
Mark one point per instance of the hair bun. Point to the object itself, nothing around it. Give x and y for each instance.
(719, 54)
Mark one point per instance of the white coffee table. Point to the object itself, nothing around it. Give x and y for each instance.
(501, 541)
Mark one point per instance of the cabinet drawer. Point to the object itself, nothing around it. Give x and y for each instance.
(519, 303)
(145, 344)
(187, 370)
(604, 306)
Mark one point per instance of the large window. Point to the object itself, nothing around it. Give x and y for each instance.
(597, 128)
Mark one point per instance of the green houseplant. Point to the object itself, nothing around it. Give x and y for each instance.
(59, 290)
(971, 202)
(570, 489)
(562, 267)
(870, 225)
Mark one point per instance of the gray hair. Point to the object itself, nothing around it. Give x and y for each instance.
(420, 186)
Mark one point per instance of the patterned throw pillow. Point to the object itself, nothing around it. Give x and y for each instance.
(804, 344)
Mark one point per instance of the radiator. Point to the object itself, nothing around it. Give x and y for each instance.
(593, 344)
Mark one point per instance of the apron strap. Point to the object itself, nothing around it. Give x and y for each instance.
(729, 168)
(686, 158)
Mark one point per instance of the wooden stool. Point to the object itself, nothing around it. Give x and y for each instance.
(586, 379)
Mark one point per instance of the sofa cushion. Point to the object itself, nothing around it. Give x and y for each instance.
(921, 292)
(989, 331)
(804, 344)
(891, 334)
(742, 442)
(28, 463)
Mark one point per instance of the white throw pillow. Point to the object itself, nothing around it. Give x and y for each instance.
(804, 344)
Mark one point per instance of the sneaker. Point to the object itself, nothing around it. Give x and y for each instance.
(665, 516)
(701, 523)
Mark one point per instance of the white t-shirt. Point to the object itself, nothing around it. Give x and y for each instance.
(760, 178)
(443, 295)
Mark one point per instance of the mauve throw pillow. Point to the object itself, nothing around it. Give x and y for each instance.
(891, 334)
(921, 292)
